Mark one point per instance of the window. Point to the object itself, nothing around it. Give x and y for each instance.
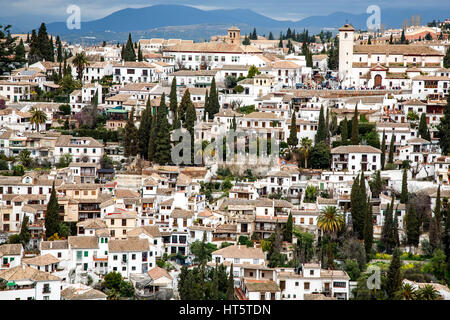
(79, 255)
(311, 272)
(237, 260)
(306, 286)
(86, 253)
(339, 284)
(114, 257)
(133, 256)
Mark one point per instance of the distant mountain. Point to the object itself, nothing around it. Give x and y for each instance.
(177, 21)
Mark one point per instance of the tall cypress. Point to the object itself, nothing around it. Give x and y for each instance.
(152, 140)
(130, 137)
(173, 102)
(185, 102)
(321, 129)
(189, 124)
(214, 106)
(363, 206)
(423, 128)
(412, 227)
(383, 150)
(145, 129)
(230, 285)
(292, 139)
(368, 230)
(344, 130)
(163, 146)
(387, 232)
(129, 53)
(355, 205)
(355, 134)
(404, 193)
(394, 279)
(391, 150)
(52, 219)
(443, 132)
(206, 107)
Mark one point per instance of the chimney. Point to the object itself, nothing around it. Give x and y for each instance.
(51, 244)
(123, 62)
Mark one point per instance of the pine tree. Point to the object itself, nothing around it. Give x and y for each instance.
(394, 279)
(391, 150)
(404, 193)
(163, 146)
(271, 36)
(230, 285)
(145, 129)
(368, 230)
(43, 44)
(444, 129)
(293, 140)
(129, 53)
(383, 150)
(52, 219)
(355, 133)
(130, 137)
(344, 130)
(412, 227)
(321, 129)
(254, 34)
(20, 53)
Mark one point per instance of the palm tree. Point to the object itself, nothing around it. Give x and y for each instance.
(38, 117)
(428, 292)
(25, 158)
(330, 220)
(407, 292)
(305, 148)
(80, 61)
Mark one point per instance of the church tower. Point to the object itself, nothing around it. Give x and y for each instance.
(234, 36)
(346, 38)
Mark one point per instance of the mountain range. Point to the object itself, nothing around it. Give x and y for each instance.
(178, 21)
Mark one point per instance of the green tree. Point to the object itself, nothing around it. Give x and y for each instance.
(436, 232)
(152, 141)
(305, 148)
(355, 206)
(130, 138)
(162, 142)
(246, 41)
(443, 132)
(25, 158)
(320, 156)
(344, 129)
(394, 277)
(391, 150)
(271, 36)
(189, 124)
(404, 193)
(145, 129)
(214, 105)
(24, 235)
(376, 185)
(129, 53)
(140, 56)
(321, 129)
(80, 62)
(387, 232)
(292, 139)
(288, 229)
(10, 54)
(428, 292)
(65, 160)
(368, 230)
(355, 133)
(424, 132)
(38, 117)
(383, 150)
(230, 287)
(447, 59)
(52, 218)
(173, 102)
(184, 104)
(412, 227)
(112, 280)
(252, 71)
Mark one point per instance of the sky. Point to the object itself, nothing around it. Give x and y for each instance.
(36, 11)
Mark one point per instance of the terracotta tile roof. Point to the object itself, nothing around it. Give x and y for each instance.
(212, 47)
(261, 286)
(26, 273)
(128, 245)
(10, 249)
(240, 251)
(397, 49)
(77, 292)
(44, 260)
(152, 231)
(92, 224)
(83, 242)
(55, 245)
(158, 272)
(355, 149)
(180, 213)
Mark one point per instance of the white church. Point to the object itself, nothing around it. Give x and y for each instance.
(383, 66)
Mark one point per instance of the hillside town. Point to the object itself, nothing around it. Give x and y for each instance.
(350, 170)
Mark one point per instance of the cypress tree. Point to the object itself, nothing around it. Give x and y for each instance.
(173, 102)
(376, 185)
(446, 237)
(51, 50)
(443, 132)
(435, 233)
(383, 150)
(423, 128)
(59, 50)
(271, 36)
(152, 141)
(145, 129)
(280, 43)
(321, 129)
(185, 102)
(130, 137)
(344, 130)
(189, 124)
(387, 232)
(206, 106)
(163, 146)
(288, 229)
(24, 234)
(140, 56)
(355, 134)
(355, 205)
(233, 123)
(20, 52)
(129, 53)
(52, 219)
(214, 106)
(368, 230)
(391, 150)
(363, 206)
(396, 241)
(412, 227)
(394, 278)
(404, 194)
(292, 139)
(230, 285)
(327, 126)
